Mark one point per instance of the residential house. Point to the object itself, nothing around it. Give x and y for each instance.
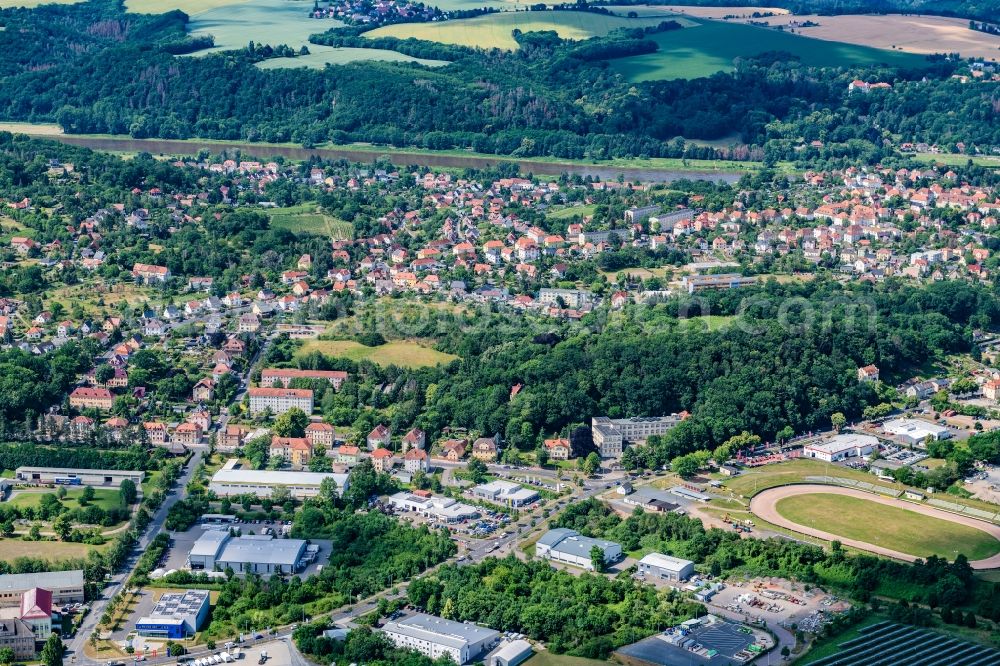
(380, 436)
(294, 450)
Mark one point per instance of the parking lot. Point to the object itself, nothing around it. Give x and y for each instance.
(780, 602)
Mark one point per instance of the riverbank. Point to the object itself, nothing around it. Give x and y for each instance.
(644, 170)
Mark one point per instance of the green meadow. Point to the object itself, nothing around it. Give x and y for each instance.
(712, 46)
(494, 30)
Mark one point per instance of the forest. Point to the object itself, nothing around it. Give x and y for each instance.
(586, 615)
(112, 72)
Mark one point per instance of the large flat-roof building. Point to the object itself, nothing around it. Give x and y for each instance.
(282, 377)
(916, 431)
(255, 553)
(695, 283)
(234, 480)
(570, 298)
(66, 586)
(175, 615)
(840, 447)
(433, 636)
(571, 547)
(610, 434)
(61, 476)
(664, 567)
(279, 400)
(506, 492)
(443, 509)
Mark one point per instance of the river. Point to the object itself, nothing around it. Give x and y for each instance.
(265, 150)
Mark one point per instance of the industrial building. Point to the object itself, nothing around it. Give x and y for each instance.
(505, 492)
(510, 653)
(433, 636)
(610, 434)
(571, 547)
(442, 509)
(695, 283)
(66, 586)
(61, 476)
(175, 615)
(840, 447)
(916, 431)
(651, 499)
(234, 480)
(664, 567)
(255, 553)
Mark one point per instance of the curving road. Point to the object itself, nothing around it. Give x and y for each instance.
(764, 505)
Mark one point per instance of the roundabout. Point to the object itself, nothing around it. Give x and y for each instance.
(877, 524)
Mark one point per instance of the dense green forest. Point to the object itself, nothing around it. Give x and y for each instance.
(761, 375)
(587, 615)
(102, 70)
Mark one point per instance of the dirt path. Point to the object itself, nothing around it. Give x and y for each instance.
(764, 505)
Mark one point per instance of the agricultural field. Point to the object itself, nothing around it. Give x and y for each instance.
(887, 526)
(234, 24)
(34, 129)
(494, 31)
(29, 4)
(712, 47)
(403, 353)
(189, 7)
(321, 56)
(307, 219)
(699, 12)
(909, 34)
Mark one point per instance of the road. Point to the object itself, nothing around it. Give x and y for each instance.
(76, 644)
(98, 606)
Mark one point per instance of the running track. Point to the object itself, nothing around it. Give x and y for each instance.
(763, 505)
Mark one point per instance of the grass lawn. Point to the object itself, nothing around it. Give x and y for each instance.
(403, 353)
(53, 551)
(713, 45)
(549, 659)
(795, 471)
(104, 498)
(568, 212)
(494, 30)
(713, 322)
(958, 160)
(306, 218)
(887, 526)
